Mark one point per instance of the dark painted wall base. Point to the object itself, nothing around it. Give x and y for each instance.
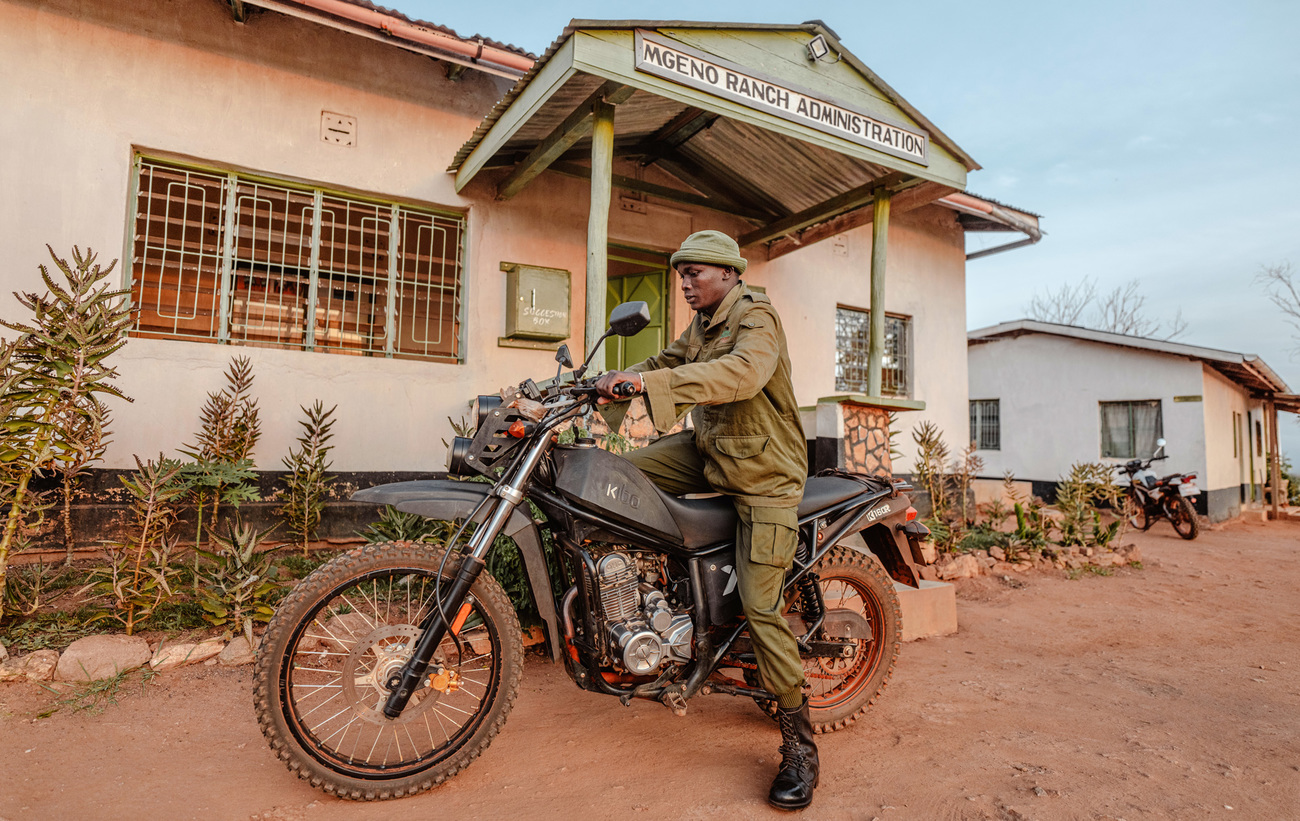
(1221, 504)
(1217, 505)
(102, 508)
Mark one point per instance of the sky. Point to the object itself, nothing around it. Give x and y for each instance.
(1156, 139)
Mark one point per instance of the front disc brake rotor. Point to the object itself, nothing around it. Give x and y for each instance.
(368, 667)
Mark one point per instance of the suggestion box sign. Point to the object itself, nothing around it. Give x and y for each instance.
(690, 67)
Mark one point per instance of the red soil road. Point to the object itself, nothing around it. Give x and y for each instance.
(1169, 692)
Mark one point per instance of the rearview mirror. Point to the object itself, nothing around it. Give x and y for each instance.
(629, 318)
(1160, 443)
(563, 357)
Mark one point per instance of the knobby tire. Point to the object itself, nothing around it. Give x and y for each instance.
(317, 683)
(840, 690)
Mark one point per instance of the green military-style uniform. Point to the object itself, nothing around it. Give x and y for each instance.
(733, 369)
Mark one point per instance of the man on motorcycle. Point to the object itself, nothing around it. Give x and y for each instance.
(731, 365)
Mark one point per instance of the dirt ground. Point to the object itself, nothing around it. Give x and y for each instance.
(1167, 692)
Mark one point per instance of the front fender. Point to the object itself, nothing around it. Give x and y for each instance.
(451, 501)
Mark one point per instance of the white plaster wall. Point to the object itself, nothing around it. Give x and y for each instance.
(1050, 388)
(86, 82)
(1223, 397)
(925, 279)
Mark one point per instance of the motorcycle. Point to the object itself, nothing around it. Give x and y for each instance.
(392, 667)
(1149, 497)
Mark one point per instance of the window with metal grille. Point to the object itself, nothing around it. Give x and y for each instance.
(986, 424)
(853, 338)
(1129, 430)
(225, 257)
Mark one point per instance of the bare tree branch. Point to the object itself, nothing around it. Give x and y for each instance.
(1065, 305)
(1280, 283)
(1120, 311)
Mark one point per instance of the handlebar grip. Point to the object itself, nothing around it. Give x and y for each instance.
(625, 389)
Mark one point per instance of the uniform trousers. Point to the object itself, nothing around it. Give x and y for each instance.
(766, 538)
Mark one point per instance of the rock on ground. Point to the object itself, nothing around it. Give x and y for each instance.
(4, 652)
(171, 656)
(96, 657)
(962, 566)
(237, 653)
(35, 666)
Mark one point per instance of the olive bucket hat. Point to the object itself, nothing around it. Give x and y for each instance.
(712, 247)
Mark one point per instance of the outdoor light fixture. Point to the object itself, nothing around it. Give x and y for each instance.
(817, 48)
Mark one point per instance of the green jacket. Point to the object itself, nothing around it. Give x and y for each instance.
(734, 370)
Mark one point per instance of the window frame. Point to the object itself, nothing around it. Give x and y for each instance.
(979, 422)
(904, 354)
(1132, 428)
(401, 254)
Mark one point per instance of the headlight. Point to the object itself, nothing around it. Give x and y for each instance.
(457, 464)
(483, 406)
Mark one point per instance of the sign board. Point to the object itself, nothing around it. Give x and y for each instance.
(537, 302)
(690, 67)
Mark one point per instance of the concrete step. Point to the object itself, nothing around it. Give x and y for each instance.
(928, 611)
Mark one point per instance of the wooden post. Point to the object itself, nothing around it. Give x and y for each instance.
(602, 174)
(879, 240)
(1274, 458)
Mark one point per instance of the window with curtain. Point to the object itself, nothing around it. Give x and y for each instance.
(1129, 430)
(232, 258)
(986, 424)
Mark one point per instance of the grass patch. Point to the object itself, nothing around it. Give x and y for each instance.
(177, 616)
(1075, 573)
(50, 631)
(95, 696)
(301, 566)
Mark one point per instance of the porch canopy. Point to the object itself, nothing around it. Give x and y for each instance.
(778, 125)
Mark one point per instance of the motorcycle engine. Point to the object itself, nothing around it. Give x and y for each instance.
(641, 626)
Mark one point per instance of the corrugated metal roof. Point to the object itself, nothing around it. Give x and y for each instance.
(970, 193)
(504, 103)
(366, 4)
(1245, 369)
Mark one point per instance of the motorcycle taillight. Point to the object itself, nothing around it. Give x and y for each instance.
(1189, 477)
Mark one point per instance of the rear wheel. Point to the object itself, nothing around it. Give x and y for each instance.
(857, 593)
(1183, 516)
(319, 686)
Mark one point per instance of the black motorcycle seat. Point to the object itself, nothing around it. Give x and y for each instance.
(712, 520)
(1167, 479)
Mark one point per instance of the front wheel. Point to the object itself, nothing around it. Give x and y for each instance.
(1183, 517)
(1135, 510)
(319, 685)
(861, 601)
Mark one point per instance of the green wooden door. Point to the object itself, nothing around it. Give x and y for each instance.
(637, 276)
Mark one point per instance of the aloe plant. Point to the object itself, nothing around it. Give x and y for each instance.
(237, 583)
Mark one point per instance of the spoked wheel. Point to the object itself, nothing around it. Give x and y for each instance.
(323, 663)
(862, 609)
(1136, 511)
(1183, 516)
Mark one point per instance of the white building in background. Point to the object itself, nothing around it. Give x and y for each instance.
(1045, 396)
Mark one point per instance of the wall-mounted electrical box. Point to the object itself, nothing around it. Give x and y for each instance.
(537, 303)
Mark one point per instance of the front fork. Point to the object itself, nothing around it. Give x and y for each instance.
(404, 682)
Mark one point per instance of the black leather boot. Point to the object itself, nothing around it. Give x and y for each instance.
(793, 787)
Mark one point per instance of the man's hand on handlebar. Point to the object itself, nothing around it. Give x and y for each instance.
(618, 385)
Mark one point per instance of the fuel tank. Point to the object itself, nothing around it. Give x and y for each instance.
(607, 484)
